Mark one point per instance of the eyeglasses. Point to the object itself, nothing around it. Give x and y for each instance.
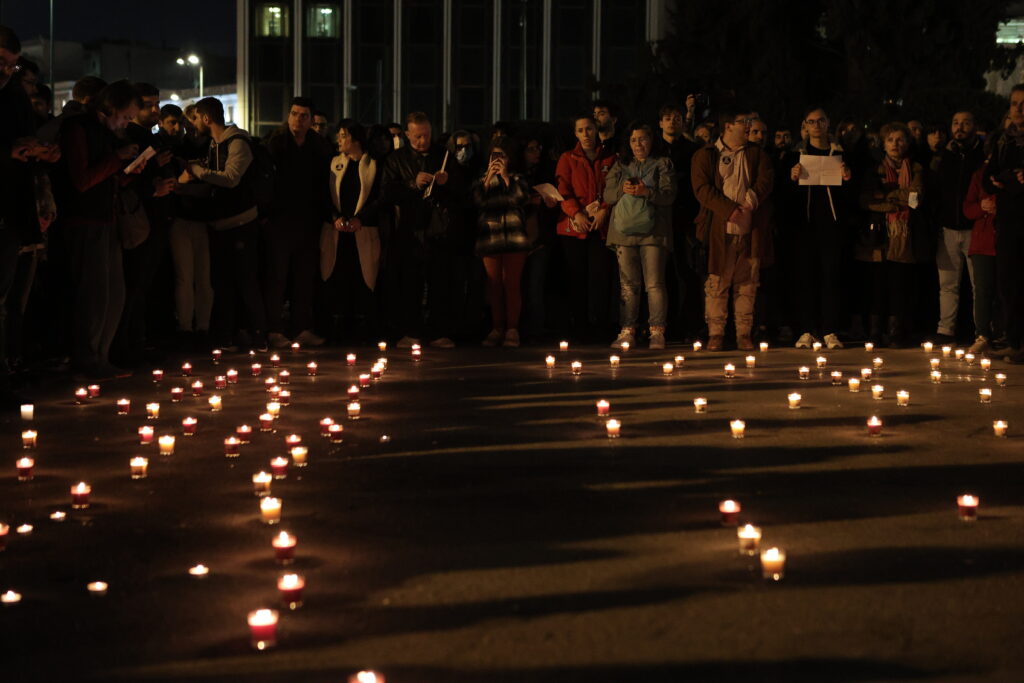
(460, 147)
(817, 122)
(745, 122)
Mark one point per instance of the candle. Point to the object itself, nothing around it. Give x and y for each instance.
(353, 392)
(284, 377)
(364, 380)
(25, 529)
(158, 376)
(959, 354)
(350, 359)
(764, 347)
(186, 369)
(738, 428)
(189, 425)
(58, 515)
(139, 467)
(697, 346)
(773, 564)
(613, 361)
(292, 440)
(215, 403)
(902, 398)
(936, 376)
(220, 382)
(729, 370)
(614, 428)
(624, 346)
(999, 427)
(986, 364)
(837, 378)
(261, 483)
(353, 410)
(934, 363)
(28, 412)
(946, 351)
(821, 362)
(967, 507)
(667, 369)
(603, 407)
(275, 360)
(382, 346)
(877, 392)
(299, 455)
(804, 372)
(274, 409)
(869, 347)
(284, 547)
(311, 368)
(263, 628)
(874, 426)
(80, 496)
(94, 390)
(145, 435)
(866, 373)
(5, 530)
(794, 401)
(366, 677)
(749, 537)
(563, 346)
(816, 346)
(81, 395)
(577, 367)
(123, 406)
(270, 510)
(10, 598)
(231, 447)
(927, 346)
(199, 571)
(279, 467)
(232, 376)
(176, 394)
(256, 369)
(877, 363)
(97, 588)
(985, 395)
(166, 444)
(1000, 379)
(969, 358)
(414, 347)
(751, 361)
(215, 355)
(197, 388)
(291, 586)
(700, 405)
(417, 355)
(549, 361)
(335, 433)
(284, 397)
(25, 466)
(730, 512)
(679, 360)
(153, 411)
(29, 438)
(325, 423)
(296, 347)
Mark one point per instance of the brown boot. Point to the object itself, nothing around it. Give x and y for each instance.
(716, 342)
(744, 342)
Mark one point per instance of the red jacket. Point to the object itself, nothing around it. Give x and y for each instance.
(580, 182)
(983, 234)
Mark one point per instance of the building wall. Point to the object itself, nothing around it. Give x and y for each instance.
(466, 63)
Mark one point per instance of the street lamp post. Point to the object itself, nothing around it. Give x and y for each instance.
(193, 60)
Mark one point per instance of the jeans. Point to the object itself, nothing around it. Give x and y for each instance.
(193, 292)
(984, 284)
(646, 263)
(235, 264)
(97, 274)
(952, 253)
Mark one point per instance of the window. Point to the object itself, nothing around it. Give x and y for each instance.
(273, 20)
(322, 21)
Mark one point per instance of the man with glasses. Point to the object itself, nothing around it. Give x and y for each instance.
(731, 180)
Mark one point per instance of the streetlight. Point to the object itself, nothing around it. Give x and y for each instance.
(193, 60)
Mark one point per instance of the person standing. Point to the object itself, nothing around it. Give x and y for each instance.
(980, 207)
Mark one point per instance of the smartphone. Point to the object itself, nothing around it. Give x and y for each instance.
(634, 180)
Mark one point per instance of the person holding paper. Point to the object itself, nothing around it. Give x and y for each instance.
(821, 231)
(542, 214)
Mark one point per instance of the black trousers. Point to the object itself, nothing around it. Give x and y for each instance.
(97, 276)
(405, 277)
(347, 309)
(821, 250)
(1010, 277)
(590, 265)
(888, 288)
(447, 272)
(9, 245)
(141, 265)
(234, 272)
(292, 258)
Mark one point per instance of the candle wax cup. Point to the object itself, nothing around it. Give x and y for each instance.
(773, 564)
(749, 538)
(290, 586)
(263, 628)
(967, 508)
(730, 512)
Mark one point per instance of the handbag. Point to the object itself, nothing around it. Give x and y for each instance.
(130, 218)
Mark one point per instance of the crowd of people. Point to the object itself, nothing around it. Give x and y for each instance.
(129, 229)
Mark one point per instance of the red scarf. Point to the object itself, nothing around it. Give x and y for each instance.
(897, 178)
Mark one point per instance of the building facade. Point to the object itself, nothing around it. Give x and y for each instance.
(466, 63)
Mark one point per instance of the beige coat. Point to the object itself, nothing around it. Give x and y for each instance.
(367, 237)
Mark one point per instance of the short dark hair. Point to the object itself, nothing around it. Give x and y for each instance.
(300, 101)
(588, 115)
(116, 97)
(1017, 88)
(190, 109)
(147, 90)
(9, 40)
(27, 64)
(509, 146)
(87, 87)
(810, 109)
(667, 109)
(728, 114)
(417, 117)
(897, 127)
(212, 107)
(612, 108)
(355, 130)
(44, 93)
(319, 112)
(170, 110)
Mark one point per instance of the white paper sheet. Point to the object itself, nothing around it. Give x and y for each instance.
(549, 191)
(821, 170)
(147, 153)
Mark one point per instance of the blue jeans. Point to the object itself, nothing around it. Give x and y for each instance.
(646, 263)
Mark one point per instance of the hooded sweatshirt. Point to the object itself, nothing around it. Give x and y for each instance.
(228, 161)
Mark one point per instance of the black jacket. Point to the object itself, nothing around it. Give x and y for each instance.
(301, 178)
(399, 188)
(1007, 156)
(951, 178)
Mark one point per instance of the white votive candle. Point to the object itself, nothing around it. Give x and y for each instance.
(563, 346)
(166, 443)
(854, 385)
(28, 412)
(986, 364)
(764, 346)
(667, 369)
(1000, 427)
(353, 410)
(700, 405)
(215, 403)
(1000, 379)
(577, 367)
(773, 564)
(139, 467)
(749, 537)
(270, 510)
(902, 398)
(729, 370)
(877, 392)
(985, 395)
(614, 428)
(794, 401)
(738, 428)
(613, 361)
(751, 361)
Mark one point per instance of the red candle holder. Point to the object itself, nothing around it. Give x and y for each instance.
(730, 511)
(263, 628)
(266, 422)
(80, 496)
(275, 361)
(244, 433)
(284, 377)
(232, 376)
(364, 380)
(231, 447)
(186, 369)
(279, 467)
(94, 391)
(176, 394)
(197, 388)
(158, 376)
(25, 466)
(353, 392)
(967, 507)
(325, 425)
(81, 396)
(124, 406)
(311, 369)
(189, 425)
(284, 547)
(145, 435)
(285, 397)
(874, 426)
(215, 355)
(290, 586)
(220, 382)
(256, 369)
(334, 433)
(350, 359)
(603, 408)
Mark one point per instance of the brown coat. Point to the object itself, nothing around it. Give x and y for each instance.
(715, 207)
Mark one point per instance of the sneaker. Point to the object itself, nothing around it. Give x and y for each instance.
(278, 340)
(443, 343)
(832, 342)
(805, 341)
(716, 342)
(980, 345)
(310, 338)
(657, 338)
(941, 338)
(744, 342)
(626, 336)
(512, 339)
(493, 338)
(406, 342)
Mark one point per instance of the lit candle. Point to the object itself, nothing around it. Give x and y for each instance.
(94, 390)
(603, 407)
(197, 388)
(25, 529)
(729, 370)
(946, 351)
(279, 467)
(186, 369)
(274, 409)
(366, 677)
(124, 405)
(80, 496)
(866, 373)
(10, 598)
(353, 392)
(28, 412)
(679, 360)
(902, 398)
(773, 564)
(874, 426)
(97, 588)
(199, 571)
(985, 395)
(364, 380)
(263, 628)
(166, 443)
(986, 364)
(751, 361)
(927, 346)
(284, 547)
(145, 435)
(613, 361)
(325, 423)
(299, 455)
(353, 410)
(275, 360)
(5, 530)
(967, 507)
(1000, 379)
(624, 346)
(284, 377)
(220, 382)
(614, 428)
(382, 346)
(697, 346)
(284, 397)
(877, 392)
(81, 395)
(261, 483)
(215, 355)
(29, 438)
(25, 466)
(189, 425)
(749, 537)
(417, 355)
(730, 512)
(794, 401)
(270, 510)
(139, 467)
(738, 428)
(244, 433)
(336, 433)
(153, 411)
(256, 369)
(350, 359)
(959, 354)
(999, 427)
(549, 361)
(158, 376)
(700, 405)
(821, 362)
(869, 347)
(837, 378)
(232, 376)
(311, 368)
(969, 358)
(176, 394)
(934, 363)
(290, 586)
(936, 376)
(58, 515)
(563, 346)
(414, 347)
(877, 363)
(296, 347)
(667, 369)
(804, 372)
(231, 445)
(764, 347)
(577, 367)
(292, 440)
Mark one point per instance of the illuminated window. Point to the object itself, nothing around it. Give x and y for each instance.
(322, 21)
(273, 20)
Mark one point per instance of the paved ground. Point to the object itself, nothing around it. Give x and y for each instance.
(500, 536)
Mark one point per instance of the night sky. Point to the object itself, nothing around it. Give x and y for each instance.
(191, 25)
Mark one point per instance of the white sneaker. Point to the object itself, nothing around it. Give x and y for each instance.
(310, 338)
(278, 340)
(493, 338)
(832, 342)
(657, 339)
(805, 341)
(626, 336)
(443, 343)
(980, 345)
(512, 339)
(407, 342)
